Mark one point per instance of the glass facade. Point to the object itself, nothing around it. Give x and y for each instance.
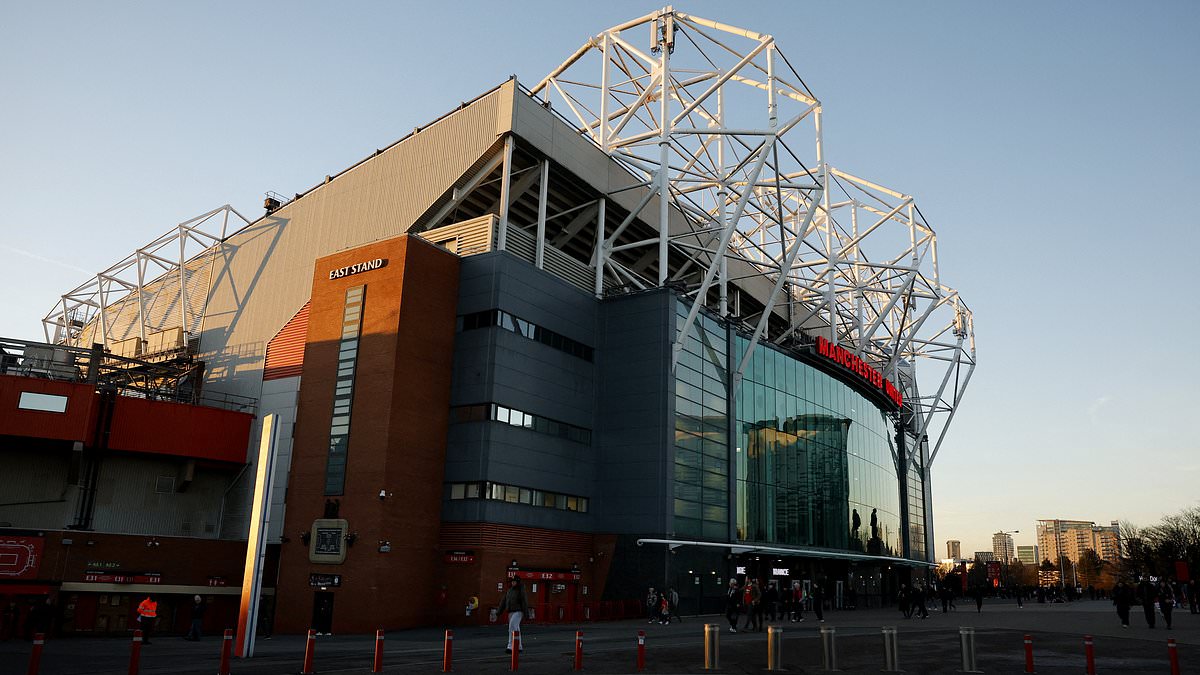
(812, 462)
(702, 431)
(916, 500)
(343, 395)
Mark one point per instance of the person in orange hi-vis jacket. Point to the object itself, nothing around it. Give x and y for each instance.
(147, 613)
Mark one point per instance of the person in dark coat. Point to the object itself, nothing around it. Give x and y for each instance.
(1166, 601)
(1122, 597)
(198, 609)
(978, 593)
(818, 597)
(1147, 595)
(1192, 598)
(733, 604)
(902, 600)
(771, 601)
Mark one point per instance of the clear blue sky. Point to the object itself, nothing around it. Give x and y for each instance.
(1054, 146)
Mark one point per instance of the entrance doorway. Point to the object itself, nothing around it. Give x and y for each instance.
(322, 616)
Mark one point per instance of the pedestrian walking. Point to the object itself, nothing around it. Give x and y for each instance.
(1122, 597)
(147, 615)
(198, 609)
(673, 603)
(978, 599)
(1147, 596)
(1193, 600)
(796, 601)
(517, 606)
(818, 598)
(733, 603)
(920, 595)
(651, 605)
(771, 600)
(902, 601)
(1166, 602)
(752, 600)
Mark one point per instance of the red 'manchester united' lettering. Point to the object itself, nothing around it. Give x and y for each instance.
(849, 360)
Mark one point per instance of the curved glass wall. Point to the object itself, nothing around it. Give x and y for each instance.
(814, 460)
(809, 459)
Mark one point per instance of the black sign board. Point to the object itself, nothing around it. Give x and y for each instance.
(325, 580)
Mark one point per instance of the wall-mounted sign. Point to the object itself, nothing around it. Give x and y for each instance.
(459, 557)
(98, 577)
(20, 557)
(545, 576)
(328, 543)
(358, 268)
(780, 572)
(325, 580)
(217, 581)
(740, 569)
(850, 361)
(103, 565)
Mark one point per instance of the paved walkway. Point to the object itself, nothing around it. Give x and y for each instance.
(926, 646)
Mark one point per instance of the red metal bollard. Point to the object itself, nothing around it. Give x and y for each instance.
(226, 649)
(310, 648)
(377, 666)
(35, 656)
(448, 652)
(135, 653)
(516, 650)
(1090, 652)
(578, 650)
(1173, 653)
(641, 662)
(1029, 654)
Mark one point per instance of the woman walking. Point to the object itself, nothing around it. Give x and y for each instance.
(517, 606)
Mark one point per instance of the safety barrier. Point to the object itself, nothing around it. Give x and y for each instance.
(891, 650)
(516, 650)
(226, 651)
(310, 649)
(578, 650)
(1089, 653)
(1173, 655)
(1029, 654)
(641, 650)
(35, 656)
(135, 653)
(774, 648)
(447, 651)
(966, 641)
(828, 648)
(712, 646)
(377, 662)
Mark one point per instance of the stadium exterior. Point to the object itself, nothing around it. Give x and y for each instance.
(617, 330)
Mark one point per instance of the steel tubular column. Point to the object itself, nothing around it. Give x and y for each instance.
(664, 173)
(601, 257)
(539, 256)
(505, 189)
